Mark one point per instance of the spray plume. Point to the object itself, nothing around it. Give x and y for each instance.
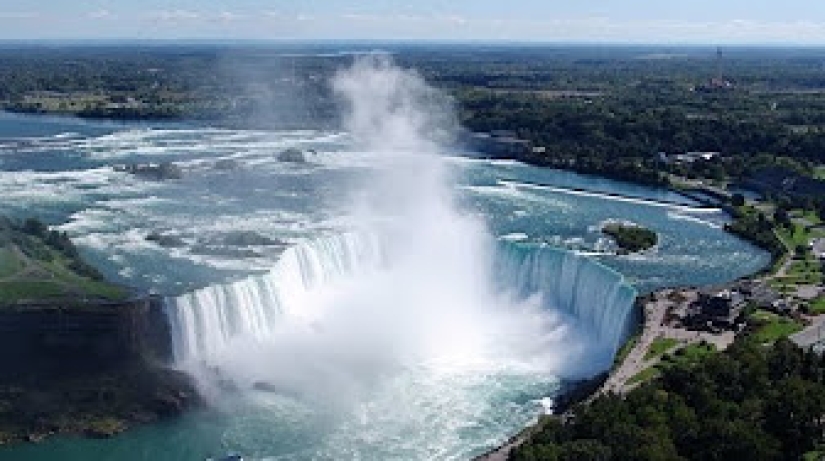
(410, 290)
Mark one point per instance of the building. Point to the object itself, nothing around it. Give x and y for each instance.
(818, 248)
(783, 182)
(716, 308)
(496, 144)
(687, 157)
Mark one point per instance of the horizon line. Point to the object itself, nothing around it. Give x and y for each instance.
(401, 41)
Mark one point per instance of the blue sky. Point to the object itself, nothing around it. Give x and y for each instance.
(633, 21)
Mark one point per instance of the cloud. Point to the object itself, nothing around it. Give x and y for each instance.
(409, 22)
(454, 19)
(175, 15)
(101, 14)
(229, 16)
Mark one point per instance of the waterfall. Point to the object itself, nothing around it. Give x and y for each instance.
(589, 291)
(205, 321)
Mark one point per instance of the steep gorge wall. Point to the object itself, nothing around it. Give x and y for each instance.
(77, 337)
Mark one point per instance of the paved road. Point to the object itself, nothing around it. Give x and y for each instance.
(814, 333)
(654, 328)
(635, 360)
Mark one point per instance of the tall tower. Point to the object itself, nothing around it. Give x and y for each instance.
(719, 76)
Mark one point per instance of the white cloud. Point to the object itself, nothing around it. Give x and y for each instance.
(229, 16)
(101, 14)
(410, 22)
(175, 15)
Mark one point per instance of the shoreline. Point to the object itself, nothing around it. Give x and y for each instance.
(641, 342)
(518, 438)
(95, 405)
(87, 368)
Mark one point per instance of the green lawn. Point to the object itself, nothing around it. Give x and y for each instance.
(659, 346)
(625, 350)
(818, 455)
(687, 355)
(645, 375)
(804, 267)
(818, 306)
(794, 237)
(819, 172)
(9, 263)
(812, 217)
(770, 327)
(34, 290)
(51, 278)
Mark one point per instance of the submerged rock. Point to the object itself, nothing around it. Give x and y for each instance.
(292, 155)
(166, 240)
(224, 251)
(152, 171)
(226, 164)
(248, 238)
(137, 393)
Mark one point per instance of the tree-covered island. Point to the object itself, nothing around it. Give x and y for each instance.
(631, 238)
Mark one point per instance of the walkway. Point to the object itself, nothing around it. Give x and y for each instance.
(812, 334)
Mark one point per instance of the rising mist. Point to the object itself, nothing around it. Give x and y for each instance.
(410, 289)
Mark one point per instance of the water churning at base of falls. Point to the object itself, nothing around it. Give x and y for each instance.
(542, 280)
(416, 319)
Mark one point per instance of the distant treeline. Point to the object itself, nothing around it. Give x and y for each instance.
(600, 110)
(40, 243)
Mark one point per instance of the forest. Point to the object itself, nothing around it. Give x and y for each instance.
(749, 402)
(602, 110)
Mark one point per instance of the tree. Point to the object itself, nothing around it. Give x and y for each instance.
(737, 200)
(781, 217)
(34, 227)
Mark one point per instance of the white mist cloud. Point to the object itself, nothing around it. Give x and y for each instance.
(175, 15)
(101, 14)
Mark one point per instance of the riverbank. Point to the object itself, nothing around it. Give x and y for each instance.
(92, 404)
(82, 367)
(78, 354)
(658, 337)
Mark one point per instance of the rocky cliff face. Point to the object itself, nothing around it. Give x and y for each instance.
(57, 339)
(86, 368)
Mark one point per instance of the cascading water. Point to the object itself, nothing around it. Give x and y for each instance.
(428, 337)
(592, 293)
(206, 321)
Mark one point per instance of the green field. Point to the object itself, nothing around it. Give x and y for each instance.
(645, 375)
(9, 263)
(659, 347)
(770, 327)
(687, 355)
(33, 270)
(818, 306)
(690, 354)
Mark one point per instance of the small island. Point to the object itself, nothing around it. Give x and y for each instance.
(631, 238)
